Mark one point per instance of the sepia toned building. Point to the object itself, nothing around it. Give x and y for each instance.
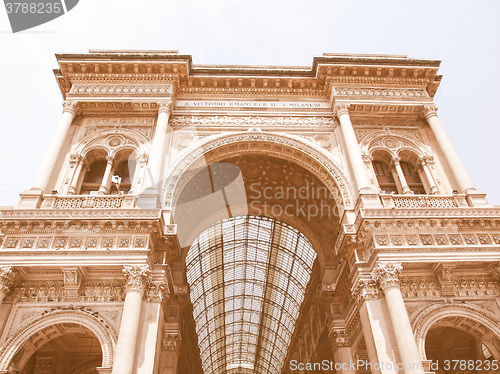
(249, 219)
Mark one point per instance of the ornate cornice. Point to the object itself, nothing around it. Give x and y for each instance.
(138, 277)
(7, 278)
(387, 274)
(80, 89)
(409, 93)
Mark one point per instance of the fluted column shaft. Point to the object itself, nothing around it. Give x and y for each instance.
(157, 150)
(49, 162)
(457, 168)
(387, 275)
(353, 150)
(138, 278)
(106, 179)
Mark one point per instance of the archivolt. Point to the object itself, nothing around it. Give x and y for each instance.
(287, 147)
(103, 332)
(432, 314)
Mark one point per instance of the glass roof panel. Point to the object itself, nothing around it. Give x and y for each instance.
(247, 278)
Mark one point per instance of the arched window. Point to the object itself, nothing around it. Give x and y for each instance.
(125, 162)
(93, 177)
(385, 178)
(412, 178)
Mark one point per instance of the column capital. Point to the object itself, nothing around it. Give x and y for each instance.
(110, 159)
(365, 289)
(387, 274)
(157, 292)
(75, 158)
(338, 338)
(341, 108)
(165, 106)
(71, 106)
(138, 277)
(7, 278)
(171, 340)
(430, 110)
(426, 160)
(367, 158)
(395, 160)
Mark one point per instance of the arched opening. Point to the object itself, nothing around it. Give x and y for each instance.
(94, 172)
(412, 177)
(65, 348)
(248, 277)
(124, 170)
(385, 176)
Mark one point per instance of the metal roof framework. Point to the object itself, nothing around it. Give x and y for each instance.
(248, 276)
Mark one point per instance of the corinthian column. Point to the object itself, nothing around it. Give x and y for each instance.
(387, 276)
(7, 279)
(353, 150)
(157, 150)
(457, 168)
(49, 162)
(138, 278)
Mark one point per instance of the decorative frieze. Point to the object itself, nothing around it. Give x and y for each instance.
(366, 289)
(437, 240)
(78, 242)
(253, 121)
(138, 277)
(39, 292)
(409, 93)
(171, 340)
(419, 288)
(338, 338)
(92, 90)
(387, 274)
(102, 291)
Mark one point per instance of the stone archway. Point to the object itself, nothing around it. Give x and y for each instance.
(90, 321)
(477, 322)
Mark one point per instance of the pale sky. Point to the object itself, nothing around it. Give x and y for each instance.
(465, 35)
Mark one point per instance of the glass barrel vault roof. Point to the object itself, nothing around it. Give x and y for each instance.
(247, 276)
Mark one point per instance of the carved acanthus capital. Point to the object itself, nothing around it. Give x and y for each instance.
(7, 278)
(71, 106)
(338, 338)
(138, 277)
(157, 292)
(387, 274)
(165, 106)
(75, 158)
(430, 110)
(426, 160)
(367, 159)
(171, 340)
(340, 109)
(366, 289)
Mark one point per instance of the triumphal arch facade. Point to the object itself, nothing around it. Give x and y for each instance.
(249, 219)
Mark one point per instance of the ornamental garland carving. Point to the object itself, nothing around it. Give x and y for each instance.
(171, 340)
(252, 121)
(387, 275)
(138, 277)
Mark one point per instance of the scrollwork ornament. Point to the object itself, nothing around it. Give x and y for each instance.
(387, 275)
(138, 277)
(7, 278)
(366, 289)
(339, 338)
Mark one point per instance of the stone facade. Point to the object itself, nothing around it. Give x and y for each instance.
(93, 258)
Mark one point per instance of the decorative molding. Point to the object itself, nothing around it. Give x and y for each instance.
(409, 93)
(8, 277)
(387, 274)
(254, 121)
(127, 90)
(157, 292)
(338, 338)
(138, 277)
